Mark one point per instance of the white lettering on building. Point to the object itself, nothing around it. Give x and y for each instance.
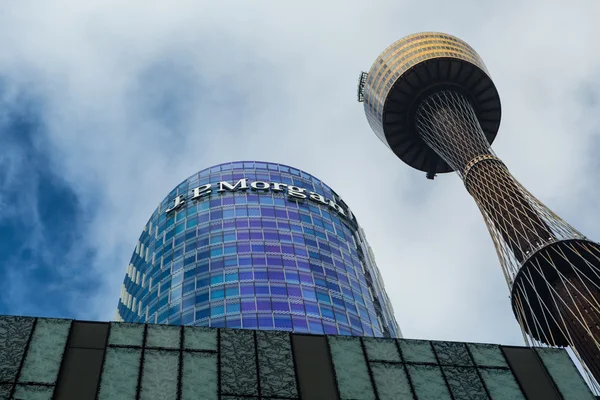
(293, 193)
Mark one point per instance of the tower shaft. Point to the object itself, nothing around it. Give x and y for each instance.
(430, 98)
(503, 203)
(448, 124)
(549, 265)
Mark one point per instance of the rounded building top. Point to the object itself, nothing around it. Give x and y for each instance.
(406, 73)
(256, 245)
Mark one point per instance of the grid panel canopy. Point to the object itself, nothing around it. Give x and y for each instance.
(249, 364)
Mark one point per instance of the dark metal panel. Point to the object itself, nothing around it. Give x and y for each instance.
(89, 335)
(80, 374)
(314, 368)
(530, 373)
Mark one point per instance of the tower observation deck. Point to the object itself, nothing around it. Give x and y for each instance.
(431, 100)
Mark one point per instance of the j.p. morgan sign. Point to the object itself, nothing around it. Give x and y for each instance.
(293, 193)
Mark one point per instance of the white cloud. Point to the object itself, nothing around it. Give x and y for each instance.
(139, 96)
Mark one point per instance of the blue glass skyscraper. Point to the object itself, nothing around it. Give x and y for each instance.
(260, 246)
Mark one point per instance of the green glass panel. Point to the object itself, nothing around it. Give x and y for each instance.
(14, 333)
(164, 336)
(381, 349)
(452, 353)
(487, 355)
(417, 351)
(124, 334)
(276, 364)
(248, 398)
(501, 384)
(239, 398)
(391, 381)
(120, 374)
(196, 338)
(565, 374)
(428, 382)
(199, 378)
(350, 367)
(238, 363)
(159, 375)
(464, 383)
(33, 392)
(5, 391)
(45, 352)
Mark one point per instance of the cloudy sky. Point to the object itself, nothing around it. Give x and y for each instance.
(106, 106)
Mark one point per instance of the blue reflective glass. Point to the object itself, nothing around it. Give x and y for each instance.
(217, 310)
(201, 314)
(233, 308)
(233, 291)
(287, 247)
(217, 294)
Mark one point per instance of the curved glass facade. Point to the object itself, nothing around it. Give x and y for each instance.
(260, 246)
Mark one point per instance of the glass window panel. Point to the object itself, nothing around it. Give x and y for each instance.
(238, 363)
(125, 334)
(199, 376)
(452, 353)
(45, 352)
(283, 322)
(381, 349)
(487, 355)
(350, 368)
(14, 333)
(5, 391)
(250, 322)
(160, 375)
(233, 308)
(391, 381)
(501, 384)
(417, 351)
(265, 322)
(276, 365)
(163, 336)
(564, 373)
(33, 392)
(120, 374)
(216, 311)
(464, 383)
(428, 382)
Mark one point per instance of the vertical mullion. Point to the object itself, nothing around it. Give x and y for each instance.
(477, 370)
(180, 371)
(405, 367)
(257, 362)
(364, 350)
(14, 386)
(337, 388)
(442, 369)
(295, 367)
(219, 390)
(62, 361)
(141, 370)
